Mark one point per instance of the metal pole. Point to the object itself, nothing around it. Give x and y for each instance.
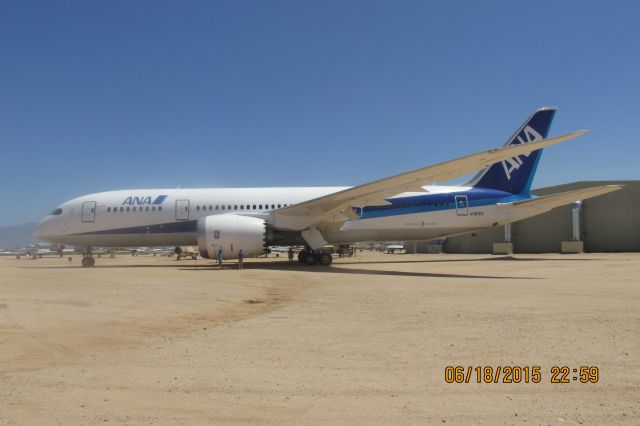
(507, 233)
(576, 208)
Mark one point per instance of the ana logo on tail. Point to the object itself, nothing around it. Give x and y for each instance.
(513, 164)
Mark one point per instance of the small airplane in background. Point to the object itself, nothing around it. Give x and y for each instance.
(37, 251)
(404, 207)
(392, 248)
(187, 251)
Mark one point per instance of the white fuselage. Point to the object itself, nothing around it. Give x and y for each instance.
(163, 217)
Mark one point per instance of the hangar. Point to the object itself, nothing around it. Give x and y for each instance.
(609, 223)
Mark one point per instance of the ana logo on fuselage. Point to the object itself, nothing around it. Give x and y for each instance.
(513, 164)
(144, 200)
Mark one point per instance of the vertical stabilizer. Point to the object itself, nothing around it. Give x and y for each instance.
(516, 174)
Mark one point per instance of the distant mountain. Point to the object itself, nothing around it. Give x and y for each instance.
(12, 237)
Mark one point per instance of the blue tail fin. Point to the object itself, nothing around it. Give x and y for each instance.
(516, 174)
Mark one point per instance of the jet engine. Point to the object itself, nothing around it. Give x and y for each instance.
(231, 233)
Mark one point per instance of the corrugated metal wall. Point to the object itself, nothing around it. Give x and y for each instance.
(543, 233)
(477, 242)
(609, 223)
(612, 222)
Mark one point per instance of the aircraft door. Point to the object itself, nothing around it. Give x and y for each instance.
(182, 209)
(89, 211)
(462, 205)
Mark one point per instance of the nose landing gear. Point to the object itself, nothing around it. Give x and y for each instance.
(87, 258)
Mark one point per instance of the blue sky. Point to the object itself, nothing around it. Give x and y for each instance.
(97, 96)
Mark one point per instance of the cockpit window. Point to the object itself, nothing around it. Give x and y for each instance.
(56, 212)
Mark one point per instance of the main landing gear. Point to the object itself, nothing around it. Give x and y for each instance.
(312, 257)
(87, 258)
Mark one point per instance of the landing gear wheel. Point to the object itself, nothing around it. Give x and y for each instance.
(302, 257)
(88, 261)
(311, 259)
(325, 259)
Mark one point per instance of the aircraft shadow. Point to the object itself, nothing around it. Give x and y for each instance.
(281, 265)
(335, 269)
(482, 259)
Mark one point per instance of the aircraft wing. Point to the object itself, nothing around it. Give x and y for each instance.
(375, 192)
(548, 202)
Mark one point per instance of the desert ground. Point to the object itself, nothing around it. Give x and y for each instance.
(149, 340)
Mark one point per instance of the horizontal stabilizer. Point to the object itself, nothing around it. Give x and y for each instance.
(552, 201)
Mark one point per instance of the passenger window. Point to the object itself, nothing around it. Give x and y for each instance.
(108, 209)
(223, 207)
(146, 208)
(153, 208)
(260, 206)
(217, 207)
(235, 207)
(197, 207)
(273, 206)
(254, 206)
(128, 209)
(210, 207)
(278, 205)
(159, 208)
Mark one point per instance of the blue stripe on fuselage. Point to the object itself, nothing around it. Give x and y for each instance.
(477, 197)
(161, 228)
(159, 199)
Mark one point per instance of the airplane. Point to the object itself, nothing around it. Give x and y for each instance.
(181, 252)
(391, 248)
(404, 207)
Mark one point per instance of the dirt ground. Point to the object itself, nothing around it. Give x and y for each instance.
(148, 340)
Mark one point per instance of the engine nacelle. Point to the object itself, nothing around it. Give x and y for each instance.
(230, 233)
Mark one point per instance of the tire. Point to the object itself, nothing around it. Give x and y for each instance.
(302, 257)
(325, 259)
(88, 261)
(311, 259)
